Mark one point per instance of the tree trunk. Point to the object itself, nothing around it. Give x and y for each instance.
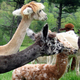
(59, 17)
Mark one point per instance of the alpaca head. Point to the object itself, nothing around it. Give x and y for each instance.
(68, 27)
(32, 10)
(47, 40)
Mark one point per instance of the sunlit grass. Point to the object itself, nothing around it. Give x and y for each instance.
(70, 76)
(6, 76)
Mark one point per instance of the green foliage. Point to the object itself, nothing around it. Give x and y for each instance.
(75, 20)
(68, 5)
(6, 20)
(27, 41)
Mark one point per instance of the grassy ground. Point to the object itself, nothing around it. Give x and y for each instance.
(70, 76)
(67, 76)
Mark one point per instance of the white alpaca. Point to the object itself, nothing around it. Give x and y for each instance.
(29, 12)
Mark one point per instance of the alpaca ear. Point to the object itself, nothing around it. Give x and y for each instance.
(17, 12)
(45, 32)
(27, 11)
(31, 34)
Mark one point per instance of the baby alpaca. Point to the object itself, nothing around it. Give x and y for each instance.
(43, 71)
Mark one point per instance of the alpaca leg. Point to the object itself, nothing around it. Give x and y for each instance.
(73, 65)
(53, 60)
(77, 66)
(33, 62)
(49, 59)
(68, 65)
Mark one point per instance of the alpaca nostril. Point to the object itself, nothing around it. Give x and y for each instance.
(60, 51)
(45, 16)
(49, 53)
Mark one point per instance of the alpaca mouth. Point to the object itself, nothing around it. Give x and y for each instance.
(45, 18)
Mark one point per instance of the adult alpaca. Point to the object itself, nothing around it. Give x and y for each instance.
(29, 12)
(45, 44)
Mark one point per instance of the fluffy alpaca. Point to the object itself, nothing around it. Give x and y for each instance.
(78, 56)
(29, 12)
(43, 71)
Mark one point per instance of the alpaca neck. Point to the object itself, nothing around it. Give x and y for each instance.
(14, 44)
(60, 66)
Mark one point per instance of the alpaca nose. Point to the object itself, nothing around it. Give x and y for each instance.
(45, 16)
(49, 53)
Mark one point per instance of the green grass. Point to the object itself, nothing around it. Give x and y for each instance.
(70, 76)
(67, 76)
(6, 76)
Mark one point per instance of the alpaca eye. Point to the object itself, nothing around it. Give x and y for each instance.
(39, 11)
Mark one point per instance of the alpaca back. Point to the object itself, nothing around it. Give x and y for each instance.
(70, 37)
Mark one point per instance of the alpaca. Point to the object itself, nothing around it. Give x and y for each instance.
(45, 44)
(78, 56)
(29, 12)
(43, 71)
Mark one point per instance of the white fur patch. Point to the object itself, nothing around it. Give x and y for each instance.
(69, 39)
(17, 12)
(45, 75)
(42, 6)
(27, 11)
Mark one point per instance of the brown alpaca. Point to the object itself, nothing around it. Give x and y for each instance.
(43, 71)
(29, 12)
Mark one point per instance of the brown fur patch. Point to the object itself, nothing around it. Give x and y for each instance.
(68, 27)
